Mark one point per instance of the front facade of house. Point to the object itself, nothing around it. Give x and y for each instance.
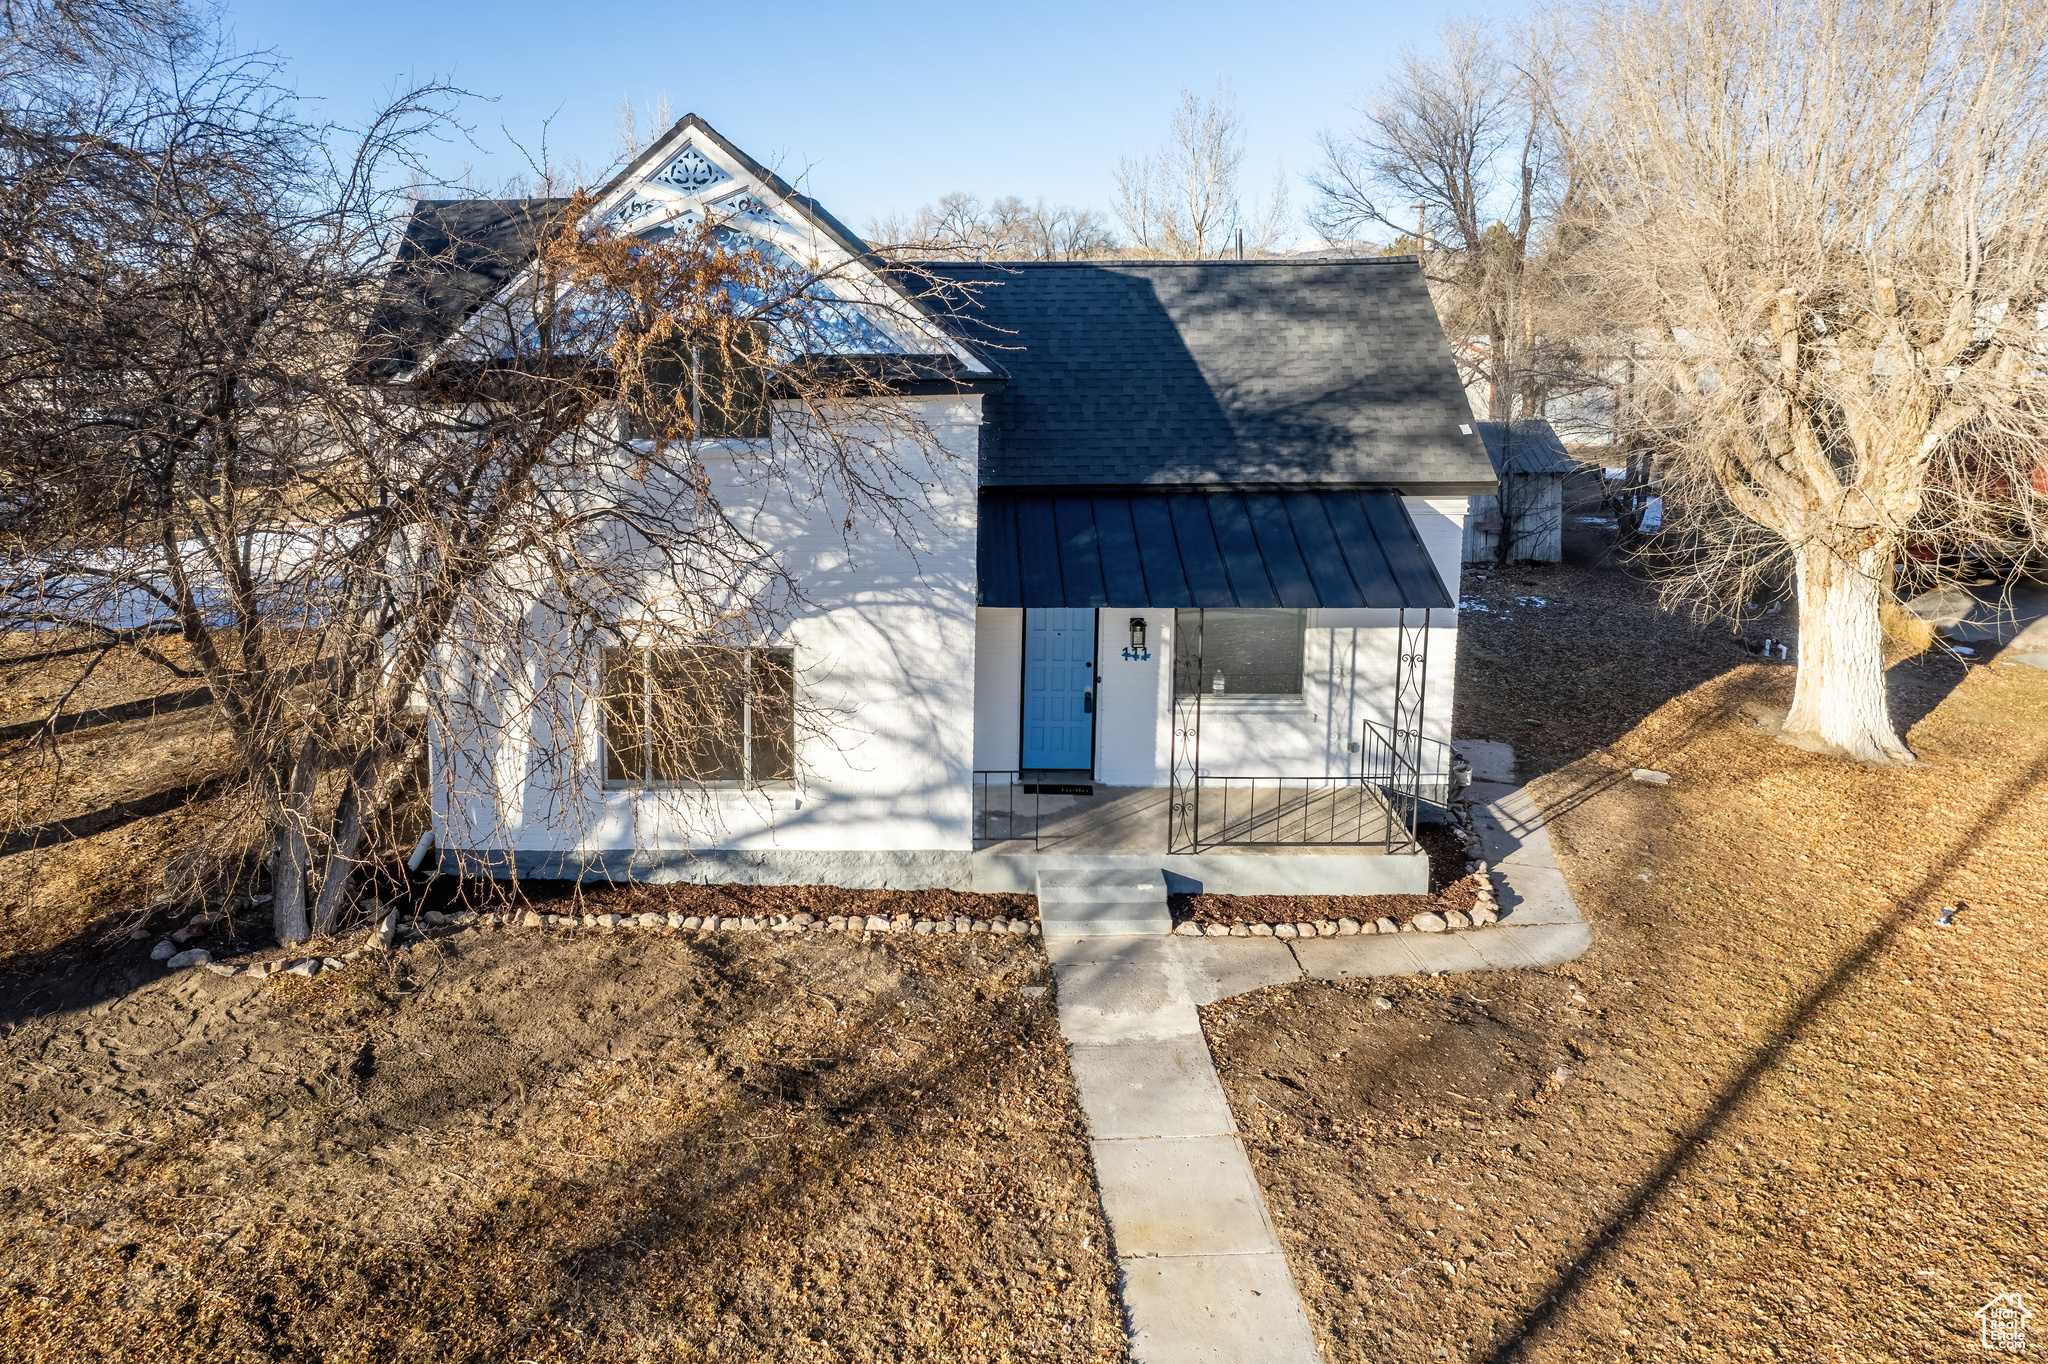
(1190, 525)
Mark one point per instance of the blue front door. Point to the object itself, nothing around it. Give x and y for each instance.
(1059, 687)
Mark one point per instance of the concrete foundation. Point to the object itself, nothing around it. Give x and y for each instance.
(936, 869)
(1221, 873)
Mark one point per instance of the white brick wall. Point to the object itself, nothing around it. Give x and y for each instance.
(885, 643)
(998, 686)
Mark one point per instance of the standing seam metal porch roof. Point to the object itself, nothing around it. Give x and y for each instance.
(1323, 548)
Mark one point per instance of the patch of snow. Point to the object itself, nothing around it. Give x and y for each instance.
(1653, 515)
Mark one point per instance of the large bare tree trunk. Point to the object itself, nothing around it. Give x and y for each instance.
(294, 854)
(1839, 699)
(341, 861)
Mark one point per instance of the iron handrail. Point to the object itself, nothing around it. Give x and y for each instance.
(1413, 770)
(1284, 812)
(984, 815)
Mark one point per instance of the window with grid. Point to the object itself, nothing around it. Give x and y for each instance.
(707, 716)
(711, 386)
(1238, 652)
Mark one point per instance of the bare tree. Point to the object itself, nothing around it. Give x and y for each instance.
(1823, 224)
(1185, 199)
(1459, 154)
(636, 129)
(960, 227)
(494, 511)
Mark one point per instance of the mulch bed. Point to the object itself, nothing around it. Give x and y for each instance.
(1293, 909)
(733, 899)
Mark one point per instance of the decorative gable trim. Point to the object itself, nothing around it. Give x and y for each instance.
(691, 171)
(698, 175)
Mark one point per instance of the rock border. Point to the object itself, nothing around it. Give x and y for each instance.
(435, 924)
(1485, 912)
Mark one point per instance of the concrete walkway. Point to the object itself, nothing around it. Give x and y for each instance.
(1203, 1273)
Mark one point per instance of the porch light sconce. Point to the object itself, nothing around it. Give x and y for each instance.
(1137, 652)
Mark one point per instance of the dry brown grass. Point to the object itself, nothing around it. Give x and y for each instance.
(520, 1146)
(143, 789)
(1775, 1112)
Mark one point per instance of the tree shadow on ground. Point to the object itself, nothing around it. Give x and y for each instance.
(1555, 1297)
(779, 1145)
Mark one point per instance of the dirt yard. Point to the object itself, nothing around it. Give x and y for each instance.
(501, 1146)
(1776, 1112)
(91, 815)
(527, 1146)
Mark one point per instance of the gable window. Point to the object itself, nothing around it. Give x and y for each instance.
(1238, 652)
(707, 716)
(710, 386)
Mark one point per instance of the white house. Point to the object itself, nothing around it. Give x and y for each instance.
(1185, 592)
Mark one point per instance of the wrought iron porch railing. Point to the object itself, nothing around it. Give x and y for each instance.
(1282, 812)
(1006, 808)
(1413, 772)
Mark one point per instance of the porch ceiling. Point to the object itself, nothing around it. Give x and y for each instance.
(1328, 548)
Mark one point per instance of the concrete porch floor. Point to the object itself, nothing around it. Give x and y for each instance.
(1125, 828)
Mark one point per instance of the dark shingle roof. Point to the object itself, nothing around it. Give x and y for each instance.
(1244, 373)
(1532, 444)
(455, 254)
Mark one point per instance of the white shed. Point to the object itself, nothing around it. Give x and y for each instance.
(1531, 463)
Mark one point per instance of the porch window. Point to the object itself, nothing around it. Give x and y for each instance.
(1254, 653)
(706, 716)
(709, 387)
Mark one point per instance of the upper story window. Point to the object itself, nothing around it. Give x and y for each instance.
(708, 716)
(1238, 652)
(709, 386)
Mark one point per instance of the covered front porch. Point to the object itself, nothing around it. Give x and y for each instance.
(1037, 813)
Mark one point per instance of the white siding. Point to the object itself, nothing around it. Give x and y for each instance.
(1441, 523)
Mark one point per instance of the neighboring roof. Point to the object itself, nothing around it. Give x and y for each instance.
(456, 253)
(1259, 549)
(1530, 442)
(1233, 373)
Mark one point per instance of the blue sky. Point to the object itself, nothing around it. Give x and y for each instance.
(881, 107)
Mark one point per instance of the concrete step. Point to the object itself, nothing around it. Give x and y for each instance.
(1143, 886)
(1102, 904)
